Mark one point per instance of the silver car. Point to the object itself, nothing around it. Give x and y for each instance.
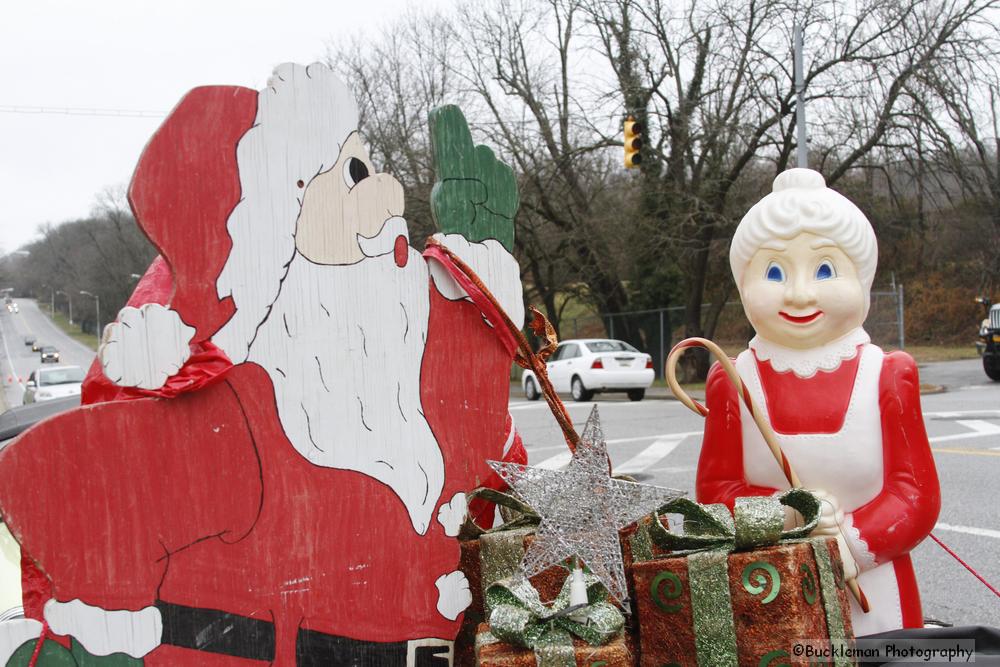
(47, 383)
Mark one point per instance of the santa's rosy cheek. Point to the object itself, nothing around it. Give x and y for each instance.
(401, 251)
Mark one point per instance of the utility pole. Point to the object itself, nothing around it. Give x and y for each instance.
(800, 103)
(97, 304)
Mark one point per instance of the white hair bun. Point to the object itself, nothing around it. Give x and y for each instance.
(799, 178)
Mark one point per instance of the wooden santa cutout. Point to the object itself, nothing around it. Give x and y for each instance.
(271, 461)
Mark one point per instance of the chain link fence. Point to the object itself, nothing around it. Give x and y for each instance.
(656, 331)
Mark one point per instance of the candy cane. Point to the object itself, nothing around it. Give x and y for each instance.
(765, 428)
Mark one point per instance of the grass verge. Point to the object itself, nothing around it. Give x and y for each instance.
(71, 330)
(927, 353)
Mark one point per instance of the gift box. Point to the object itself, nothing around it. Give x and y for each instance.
(491, 652)
(490, 555)
(524, 631)
(495, 554)
(738, 590)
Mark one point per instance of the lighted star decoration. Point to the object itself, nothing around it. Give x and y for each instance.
(582, 508)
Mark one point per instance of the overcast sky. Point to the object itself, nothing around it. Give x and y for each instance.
(135, 55)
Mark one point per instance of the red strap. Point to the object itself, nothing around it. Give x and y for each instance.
(434, 252)
(38, 645)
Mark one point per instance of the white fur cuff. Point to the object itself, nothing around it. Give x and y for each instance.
(105, 632)
(496, 267)
(859, 548)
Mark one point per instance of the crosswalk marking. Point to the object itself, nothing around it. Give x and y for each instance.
(969, 530)
(653, 454)
(557, 461)
(978, 428)
(661, 447)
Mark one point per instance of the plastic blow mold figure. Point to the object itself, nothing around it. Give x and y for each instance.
(846, 414)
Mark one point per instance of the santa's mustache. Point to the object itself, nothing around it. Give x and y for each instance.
(384, 242)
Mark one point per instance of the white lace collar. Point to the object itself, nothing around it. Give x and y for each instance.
(805, 363)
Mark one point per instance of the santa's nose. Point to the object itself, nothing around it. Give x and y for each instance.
(390, 192)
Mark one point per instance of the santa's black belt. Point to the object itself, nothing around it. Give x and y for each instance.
(216, 631)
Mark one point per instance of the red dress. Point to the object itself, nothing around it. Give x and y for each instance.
(856, 432)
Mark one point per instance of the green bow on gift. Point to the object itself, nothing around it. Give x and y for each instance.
(516, 514)
(756, 521)
(711, 533)
(518, 616)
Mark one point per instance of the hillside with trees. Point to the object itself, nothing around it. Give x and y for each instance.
(903, 116)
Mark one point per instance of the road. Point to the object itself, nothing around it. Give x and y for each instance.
(18, 361)
(658, 441)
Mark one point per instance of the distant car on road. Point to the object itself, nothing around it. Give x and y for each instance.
(49, 353)
(12, 308)
(45, 384)
(988, 344)
(36, 346)
(584, 367)
(30, 340)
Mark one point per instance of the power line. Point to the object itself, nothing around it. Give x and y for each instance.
(80, 111)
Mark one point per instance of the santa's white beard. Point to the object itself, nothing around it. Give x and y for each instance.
(343, 346)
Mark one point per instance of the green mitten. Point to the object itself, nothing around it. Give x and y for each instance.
(474, 194)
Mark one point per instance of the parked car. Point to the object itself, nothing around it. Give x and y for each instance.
(988, 344)
(30, 340)
(584, 367)
(45, 384)
(49, 353)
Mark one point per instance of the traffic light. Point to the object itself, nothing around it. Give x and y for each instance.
(633, 143)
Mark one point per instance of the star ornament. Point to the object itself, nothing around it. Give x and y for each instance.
(582, 509)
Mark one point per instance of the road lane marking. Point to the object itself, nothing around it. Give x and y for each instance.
(979, 428)
(10, 359)
(650, 455)
(972, 452)
(640, 438)
(965, 413)
(656, 452)
(520, 405)
(557, 461)
(969, 530)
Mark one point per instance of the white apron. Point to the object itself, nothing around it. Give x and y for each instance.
(846, 464)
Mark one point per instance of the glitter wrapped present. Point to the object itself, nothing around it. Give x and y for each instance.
(737, 590)
(493, 555)
(523, 630)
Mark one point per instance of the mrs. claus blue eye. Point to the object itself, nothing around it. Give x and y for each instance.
(825, 271)
(774, 273)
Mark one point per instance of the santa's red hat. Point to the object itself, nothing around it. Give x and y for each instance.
(184, 188)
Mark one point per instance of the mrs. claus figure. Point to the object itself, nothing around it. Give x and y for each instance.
(846, 413)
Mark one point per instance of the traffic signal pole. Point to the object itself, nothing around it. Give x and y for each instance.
(800, 103)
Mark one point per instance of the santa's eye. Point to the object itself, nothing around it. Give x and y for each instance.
(774, 273)
(300, 183)
(355, 171)
(825, 270)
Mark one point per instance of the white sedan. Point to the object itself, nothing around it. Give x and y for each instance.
(586, 366)
(44, 384)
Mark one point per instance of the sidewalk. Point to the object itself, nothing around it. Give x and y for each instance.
(655, 393)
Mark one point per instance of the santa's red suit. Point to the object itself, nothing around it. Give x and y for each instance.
(199, 504)
(848, 418)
